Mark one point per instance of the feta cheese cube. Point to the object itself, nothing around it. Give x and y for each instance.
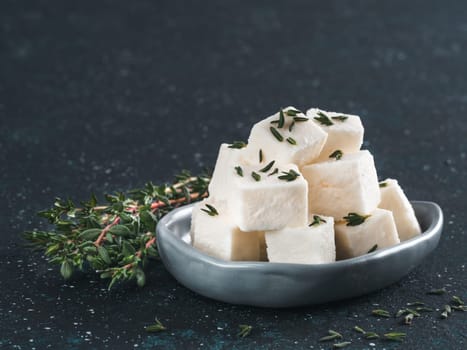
(218, 237)
(290, 138)
(394, 199)
(268, 199)
(378, 229)
(224, 171)
(303, 245)
(345, 131)
(337, 187)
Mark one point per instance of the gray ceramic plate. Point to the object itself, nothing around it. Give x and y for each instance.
(286, 285)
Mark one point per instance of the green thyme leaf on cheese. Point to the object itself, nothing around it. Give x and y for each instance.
(281, 122)
(300, 119)
(317, 220)
(211, 211)
(354, 219)
(260, 155)
(323, 119)
(239, 171)
(276, 134)
(255, 176)
(341, 118)
(291, 175)
(274, 172)
(238, 144)
(383, 184)
(291, 141)
(373, 249)
(337, 154)
(292, 112)
(291, 126)
(268, 167)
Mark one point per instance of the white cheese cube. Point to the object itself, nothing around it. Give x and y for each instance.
(394, 199)
(345, 131)
(261, 200)
(378, 229)
(337, 187)
(300, 143)
(221, 181)
(303, 245)
(218, 237)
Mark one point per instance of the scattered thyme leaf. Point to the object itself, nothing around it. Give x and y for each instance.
(354, 219)
(291, 175)
(292, 112)
(332, 335)
(439, 291)
(341, 345)
(260, 155)
(267, 167)
(276, 170)
(337, 154)
(281, 122)
(211, 211)
(380, 313)
(237, 144)
(291, 141)
(323, 119)
(372, 249)
(239, 171)
(155, 328)
(341, 118)
(276, 134)
(244, 331)
(416, 303)
(300, 119)
(256, 176)
(359, 330)
(457, 300)
(371, 335)
(291, 126)
(317, 220)
(394, 336)
(383, 184)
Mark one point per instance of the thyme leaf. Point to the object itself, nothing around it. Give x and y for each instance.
(317, 220)
(337, 154)
(267, 167)
(256, 176)
(244, 331)
(237, 144)
(276, 134)
(291, 175)
(354, 219)
(239, 171)
(211, 211)
(323, 119)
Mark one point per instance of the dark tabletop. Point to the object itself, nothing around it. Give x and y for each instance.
(103, 96)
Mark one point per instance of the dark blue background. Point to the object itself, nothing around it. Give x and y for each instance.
(97, 96)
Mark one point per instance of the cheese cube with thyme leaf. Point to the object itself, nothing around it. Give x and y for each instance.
(311, 244)
(344, 183)
(213, 233)
(229, 161)
(288, 137)
(269, 198)
(358, 234)
(345, 131)
(394, 199)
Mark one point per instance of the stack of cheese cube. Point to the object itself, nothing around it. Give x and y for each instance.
(301, 191)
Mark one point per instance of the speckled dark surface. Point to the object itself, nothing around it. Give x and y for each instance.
(106, 96)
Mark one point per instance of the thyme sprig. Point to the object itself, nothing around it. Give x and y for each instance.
(323, 119)
(116, 238)
(156, 327)
(317, 220)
